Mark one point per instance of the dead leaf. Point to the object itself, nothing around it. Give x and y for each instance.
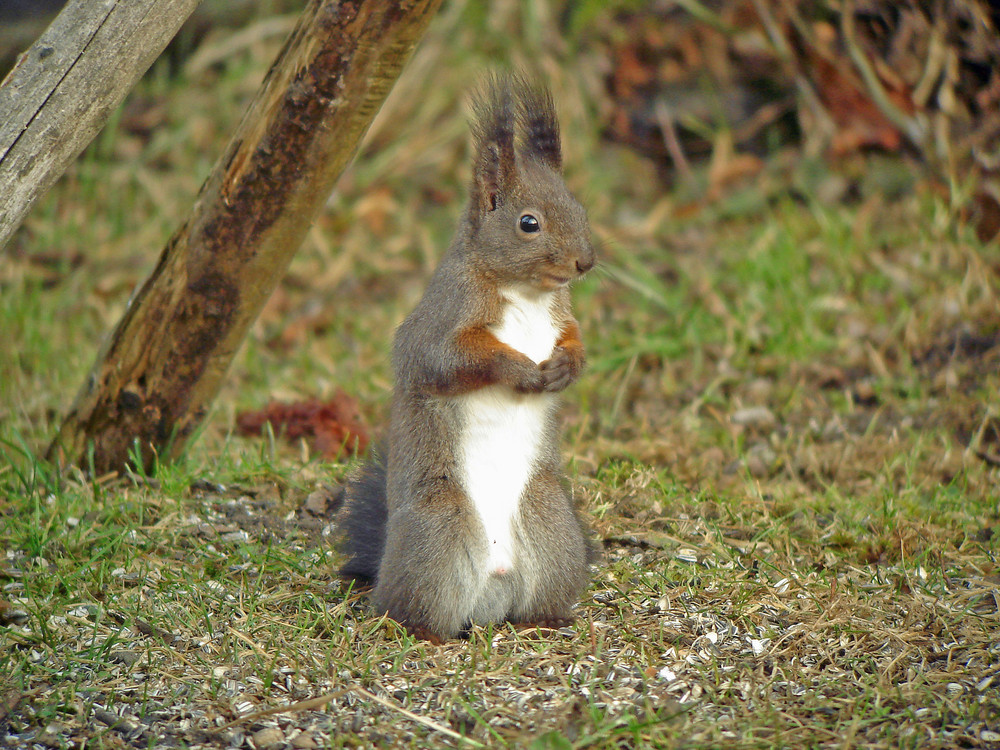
(335, 426)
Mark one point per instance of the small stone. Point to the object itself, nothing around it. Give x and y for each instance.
(832, 189)
(759, 390)
(864, 394)
(316, 502)
(11, 615)
(667, 674)
(754, 416)
(760, 460)
(983, 535)
(268, 737)
(304, 742)
(833, 430)
(53, 735)
(757, 468)
(732, 468)
(128, 658)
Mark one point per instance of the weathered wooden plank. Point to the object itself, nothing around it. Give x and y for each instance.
(166, 360)
(39, 70)
(64, 88)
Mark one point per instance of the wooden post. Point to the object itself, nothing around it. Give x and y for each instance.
(163, 364)
(64, 88)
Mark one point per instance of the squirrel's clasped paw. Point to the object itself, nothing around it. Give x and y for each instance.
(560, 370)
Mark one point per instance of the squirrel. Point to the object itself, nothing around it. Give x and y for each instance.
(466, 519)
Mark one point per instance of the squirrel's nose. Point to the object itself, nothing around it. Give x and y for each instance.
(585, 263)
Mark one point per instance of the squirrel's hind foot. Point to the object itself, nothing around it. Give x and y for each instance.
(426, 634)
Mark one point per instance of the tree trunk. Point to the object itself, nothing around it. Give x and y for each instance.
(165, 361)
(64, 88)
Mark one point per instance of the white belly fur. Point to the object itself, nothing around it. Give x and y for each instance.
(503, 429)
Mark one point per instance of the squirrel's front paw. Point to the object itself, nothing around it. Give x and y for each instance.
(530, 380)
(561, 369)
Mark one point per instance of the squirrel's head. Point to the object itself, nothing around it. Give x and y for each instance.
(525, 225)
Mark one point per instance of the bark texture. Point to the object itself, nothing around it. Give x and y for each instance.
(163, 364)
(64, 88)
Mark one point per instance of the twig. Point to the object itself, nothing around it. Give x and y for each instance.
(670, 140)
(976, 444)
(823, 129)
(145, 628)
(778, 41)
(306, 705)
(419, 719)
(321, 700)
(706, 15)
(213, 54)
(763, 117)
(911, 127)
(247, 640)
(9, 701)
(932, 69)
(989, 459)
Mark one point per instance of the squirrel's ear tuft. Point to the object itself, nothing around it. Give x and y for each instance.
(536, 114)
(493, 138)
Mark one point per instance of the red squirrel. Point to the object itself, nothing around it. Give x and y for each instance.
(466, 519)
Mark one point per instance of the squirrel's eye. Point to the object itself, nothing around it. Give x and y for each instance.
(528, 223)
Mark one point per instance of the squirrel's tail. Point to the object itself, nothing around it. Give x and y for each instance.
(361, 522)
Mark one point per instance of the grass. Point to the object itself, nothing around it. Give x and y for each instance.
(787, 440)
